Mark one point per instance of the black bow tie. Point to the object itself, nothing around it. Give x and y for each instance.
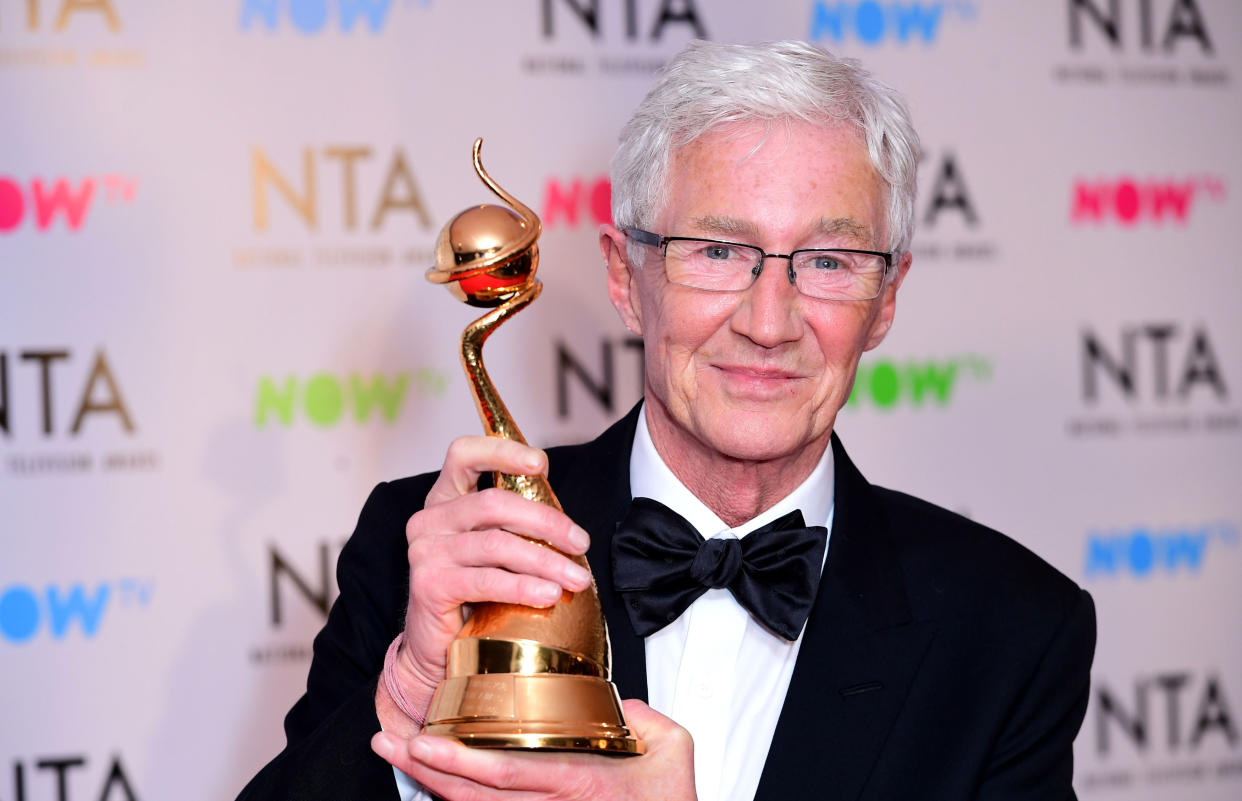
(660, 565)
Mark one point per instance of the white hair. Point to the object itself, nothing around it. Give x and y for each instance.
(708, 85)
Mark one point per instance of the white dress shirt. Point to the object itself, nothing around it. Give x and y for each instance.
(714, 670)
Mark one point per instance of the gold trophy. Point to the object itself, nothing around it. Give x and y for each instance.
(518, 677)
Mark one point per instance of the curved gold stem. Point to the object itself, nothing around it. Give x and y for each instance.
(534, 226)
(497, 422)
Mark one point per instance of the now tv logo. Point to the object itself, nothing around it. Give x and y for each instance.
(1130, 201)
(44, 202)
(60, 610)
(577, 201)
(1142, 551)
(873, 23)
(324, 398)
(314, 16)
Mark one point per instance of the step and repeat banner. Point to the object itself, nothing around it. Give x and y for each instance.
(216, 335)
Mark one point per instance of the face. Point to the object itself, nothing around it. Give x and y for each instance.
(758, 374)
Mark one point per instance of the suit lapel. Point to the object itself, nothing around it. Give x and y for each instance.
(593, 485)
(859, 654)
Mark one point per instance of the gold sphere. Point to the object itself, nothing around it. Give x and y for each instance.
(485, 255)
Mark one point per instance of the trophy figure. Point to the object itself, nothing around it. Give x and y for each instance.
(518, 677)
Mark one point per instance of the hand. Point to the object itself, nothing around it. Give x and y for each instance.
(457, 773)
(463, 549)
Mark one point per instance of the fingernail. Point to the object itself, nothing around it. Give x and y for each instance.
(382, 745)
(579, 538)
(577, 575)
(550, 593)
(420, 749)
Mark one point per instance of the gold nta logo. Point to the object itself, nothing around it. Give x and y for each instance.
(398, 192)
(69, 9)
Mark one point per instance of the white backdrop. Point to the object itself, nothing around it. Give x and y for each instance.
(215, 335)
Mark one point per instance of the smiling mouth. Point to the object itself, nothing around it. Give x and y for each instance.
(757, 374)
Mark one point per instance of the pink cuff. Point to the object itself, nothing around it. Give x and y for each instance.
(393, 684)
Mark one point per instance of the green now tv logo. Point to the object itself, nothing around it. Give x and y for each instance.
(325, 398)
(889, 384)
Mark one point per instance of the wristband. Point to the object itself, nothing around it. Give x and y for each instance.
(393, 684)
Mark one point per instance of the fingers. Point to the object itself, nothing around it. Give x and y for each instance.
(481, 585)
(451, 770)
(470, 457)
(500, 509)
(466, 551)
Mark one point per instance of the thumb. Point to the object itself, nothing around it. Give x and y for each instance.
(649, 724)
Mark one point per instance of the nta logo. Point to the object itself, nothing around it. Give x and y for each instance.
(1160, 376)
(1129, 22)
(114, 784)
(872, 22)
(398, 191)
(1129, 201)
(323, 398)
(949, 192)
(313, 16)
(318, 589)
(60, 610)
(1167, 712)
(100, 392)
(47, 201)
(67, 10)
(587, 12)
(316, 586)
(885, 384)
(600, 384)
(1143, 551)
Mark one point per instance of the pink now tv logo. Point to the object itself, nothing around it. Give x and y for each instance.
(43, 202)
(577, 201)
(1130, 201)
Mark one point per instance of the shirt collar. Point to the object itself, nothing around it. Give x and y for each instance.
(651, 478)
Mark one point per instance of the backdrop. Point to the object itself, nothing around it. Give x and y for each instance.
(216, 337)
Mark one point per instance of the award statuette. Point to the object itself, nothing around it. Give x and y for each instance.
(518, 677)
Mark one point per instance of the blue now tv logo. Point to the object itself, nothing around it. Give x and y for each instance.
(873, 23)
(1143, 552)
(315, 16)
(63, 610)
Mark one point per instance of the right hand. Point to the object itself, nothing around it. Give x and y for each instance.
(455, 771)
(464, 549)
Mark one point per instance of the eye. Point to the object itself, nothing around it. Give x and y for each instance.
(826, 262)
(718, 252)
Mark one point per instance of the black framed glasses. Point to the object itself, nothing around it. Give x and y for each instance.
(717, 266)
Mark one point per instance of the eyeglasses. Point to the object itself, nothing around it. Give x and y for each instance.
(824, 273)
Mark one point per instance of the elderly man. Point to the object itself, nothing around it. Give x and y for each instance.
(763, 204)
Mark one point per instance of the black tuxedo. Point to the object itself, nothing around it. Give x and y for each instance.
(941, 660)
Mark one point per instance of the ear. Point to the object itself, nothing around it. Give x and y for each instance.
(888, 304)
(622, 290)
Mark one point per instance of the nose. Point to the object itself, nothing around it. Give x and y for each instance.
(768, 314)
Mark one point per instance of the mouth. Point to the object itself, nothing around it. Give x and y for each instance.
(759, 380)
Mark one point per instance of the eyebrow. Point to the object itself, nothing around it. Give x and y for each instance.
(726, 226)
(831, 227)
(846, 227)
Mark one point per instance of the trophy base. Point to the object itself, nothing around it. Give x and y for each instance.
(544, 711)
(532, 741)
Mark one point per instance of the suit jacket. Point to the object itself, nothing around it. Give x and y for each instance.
(941, 660)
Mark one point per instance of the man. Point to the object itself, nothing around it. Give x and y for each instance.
(763, 204)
